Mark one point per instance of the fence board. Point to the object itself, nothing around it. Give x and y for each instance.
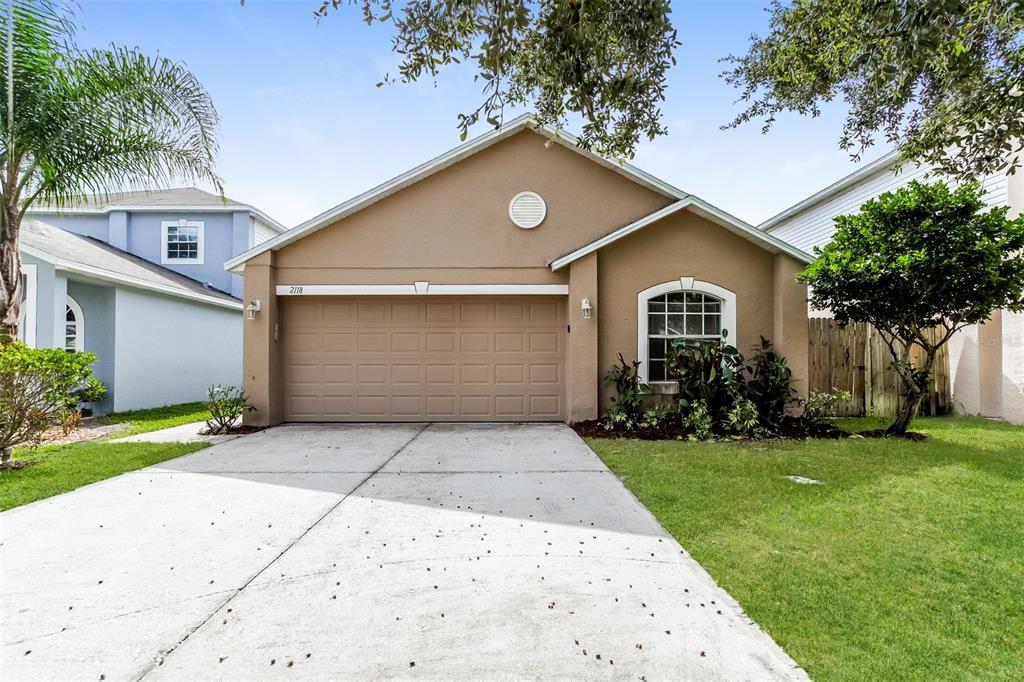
(855, 358)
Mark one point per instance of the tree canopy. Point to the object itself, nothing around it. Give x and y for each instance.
(941, 78)
(920, 257)
(605, 60)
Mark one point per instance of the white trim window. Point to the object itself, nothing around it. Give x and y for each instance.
(74, 327)
(685, 308)
(181, 242)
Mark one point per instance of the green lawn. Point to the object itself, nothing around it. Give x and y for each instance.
(141, 421)
(60, 468)
(906, 563)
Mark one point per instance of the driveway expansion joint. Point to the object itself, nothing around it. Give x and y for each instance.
(162, 657)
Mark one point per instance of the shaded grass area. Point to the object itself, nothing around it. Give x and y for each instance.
(154, 419)
(906, 563)
(61, 468)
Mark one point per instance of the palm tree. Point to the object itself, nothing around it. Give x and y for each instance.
(76, 121)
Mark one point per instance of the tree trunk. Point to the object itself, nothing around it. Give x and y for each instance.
(10, 276)
(915, 384)
(5, 455)
(911, 401)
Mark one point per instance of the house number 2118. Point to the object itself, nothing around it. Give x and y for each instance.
(295, 290)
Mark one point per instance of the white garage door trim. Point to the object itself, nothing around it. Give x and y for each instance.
(422, 288)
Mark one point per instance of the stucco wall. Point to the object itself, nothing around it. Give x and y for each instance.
(98, 308)
(170, 351)
(458, 218)
(144, 240)
(684, 245)
(96, 226)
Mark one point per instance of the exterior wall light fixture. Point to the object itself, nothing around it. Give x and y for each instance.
(586, 308)
(252, 309)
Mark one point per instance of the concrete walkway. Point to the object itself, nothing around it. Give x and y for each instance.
(184, 433)
(447, 552)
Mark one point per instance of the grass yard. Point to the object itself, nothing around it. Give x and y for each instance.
(61, 468)
(143, 421)
(906, 563)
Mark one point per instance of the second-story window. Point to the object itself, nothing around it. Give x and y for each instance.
(182, 241)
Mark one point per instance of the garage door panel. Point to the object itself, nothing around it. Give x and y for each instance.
(401, 359)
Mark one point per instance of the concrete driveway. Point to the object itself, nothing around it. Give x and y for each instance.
(366, 552)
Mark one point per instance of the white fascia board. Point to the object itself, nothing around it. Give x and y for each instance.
(833, 189)
(118, 278)
(439, 163)
(182, 208)
(424, 289)
(701, 207)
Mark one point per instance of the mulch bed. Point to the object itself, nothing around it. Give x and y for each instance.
(792, 429)
(594, 429)
(240, 430)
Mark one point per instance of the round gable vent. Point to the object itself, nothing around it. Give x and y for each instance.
(527, 210)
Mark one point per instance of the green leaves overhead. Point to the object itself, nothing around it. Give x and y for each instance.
(605, 60)
(942, 78)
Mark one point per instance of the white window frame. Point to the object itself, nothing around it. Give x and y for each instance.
(27, 319)
(79, 326)
(683, 284)
(200, 227)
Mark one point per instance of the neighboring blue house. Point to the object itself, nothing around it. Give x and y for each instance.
(138, 279)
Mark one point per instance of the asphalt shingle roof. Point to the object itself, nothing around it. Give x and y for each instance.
(73, 248)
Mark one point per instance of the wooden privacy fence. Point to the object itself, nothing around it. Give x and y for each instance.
(855, 358)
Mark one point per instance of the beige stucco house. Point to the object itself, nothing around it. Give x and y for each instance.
(499, 281)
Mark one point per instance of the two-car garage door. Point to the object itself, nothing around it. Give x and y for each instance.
(418, 358)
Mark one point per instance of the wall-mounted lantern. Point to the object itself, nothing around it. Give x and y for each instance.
(586, 308)
(252, 309)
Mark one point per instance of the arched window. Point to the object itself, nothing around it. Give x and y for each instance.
(74, 327)
(684, 308)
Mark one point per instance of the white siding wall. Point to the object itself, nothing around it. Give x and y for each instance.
(170, 351)
(813, 226)
(262, 234)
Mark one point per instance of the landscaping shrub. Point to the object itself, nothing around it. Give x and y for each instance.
(39, 387)
(769, 384)
(720, 393)
(226, 405)
(627, 405)
(705, 371)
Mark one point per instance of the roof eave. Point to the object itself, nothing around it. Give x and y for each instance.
(699, 206)
(104, 275)
(831, 190)
(438, 163)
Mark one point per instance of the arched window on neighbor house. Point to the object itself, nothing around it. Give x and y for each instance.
(685, 308)
(74, 327)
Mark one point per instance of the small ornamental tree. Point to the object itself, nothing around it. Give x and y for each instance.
(920, 257)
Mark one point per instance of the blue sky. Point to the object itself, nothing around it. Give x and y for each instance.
(304, 126)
